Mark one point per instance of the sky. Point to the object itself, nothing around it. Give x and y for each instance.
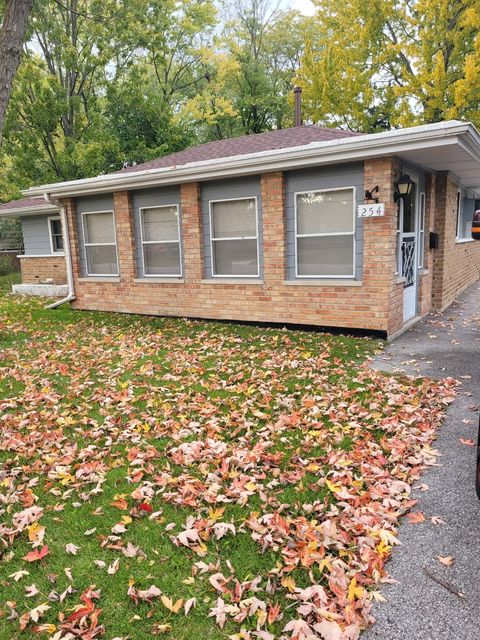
(305, 6)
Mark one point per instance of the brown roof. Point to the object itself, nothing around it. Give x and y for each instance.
(24, 203)
(280, 139)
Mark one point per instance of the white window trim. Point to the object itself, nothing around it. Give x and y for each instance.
(421, 229)
(50, 235)
(398, 237)
(144, 242)
(353, 189)
(212, 239)
(458, 237)
(100, 244)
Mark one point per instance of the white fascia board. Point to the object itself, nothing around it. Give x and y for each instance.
(313, 154)
(20, 212)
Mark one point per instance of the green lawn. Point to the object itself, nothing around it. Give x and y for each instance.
(247, 468)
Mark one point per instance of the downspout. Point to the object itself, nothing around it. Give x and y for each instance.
(68, 255)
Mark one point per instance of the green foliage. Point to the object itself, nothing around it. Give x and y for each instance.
(104, 84)
(372, 65)
(6, 265)
(11, 233)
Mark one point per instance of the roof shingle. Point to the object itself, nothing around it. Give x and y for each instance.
(24, 203)
(244, 145)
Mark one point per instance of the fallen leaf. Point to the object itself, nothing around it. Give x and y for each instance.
(37, 554)
(415, 517)
(446, 560)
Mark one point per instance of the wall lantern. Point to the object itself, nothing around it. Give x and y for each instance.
(404, 187)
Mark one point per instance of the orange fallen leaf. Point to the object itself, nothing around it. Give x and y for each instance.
(468, 441)
(415, 517)
(37, 554)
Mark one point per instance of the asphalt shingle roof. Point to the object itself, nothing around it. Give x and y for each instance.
(244, 145)
(23, 203)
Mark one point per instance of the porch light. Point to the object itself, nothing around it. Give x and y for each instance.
(404, 186)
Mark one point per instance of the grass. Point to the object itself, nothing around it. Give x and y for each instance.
(113, 397)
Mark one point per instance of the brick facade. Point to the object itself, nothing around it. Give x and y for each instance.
(456, 264)
(374, 304)
(38, 270)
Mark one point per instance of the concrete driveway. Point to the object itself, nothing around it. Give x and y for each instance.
(418, 606)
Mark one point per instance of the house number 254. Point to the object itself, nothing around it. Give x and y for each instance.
(371, 210)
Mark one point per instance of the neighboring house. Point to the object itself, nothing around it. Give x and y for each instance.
(42, 263)
(270, 228)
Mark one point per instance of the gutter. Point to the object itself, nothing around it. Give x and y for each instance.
(68, 255)
(315, 153)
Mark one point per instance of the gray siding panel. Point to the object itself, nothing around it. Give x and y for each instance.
(336, 176)
(228, 190)
(102, 202)
(152, 198)
(36, 235)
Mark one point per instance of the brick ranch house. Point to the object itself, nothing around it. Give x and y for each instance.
(271, 228)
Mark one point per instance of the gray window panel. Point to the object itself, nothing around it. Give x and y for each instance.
(160, 224)
(101, 259)
(325, 256)
(235, 257)
(325, 212)
(234, 219)
(99, 228)
(162, 258)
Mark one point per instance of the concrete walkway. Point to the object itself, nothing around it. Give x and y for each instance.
(418, 607)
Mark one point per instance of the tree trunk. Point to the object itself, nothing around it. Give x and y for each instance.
(12, 34)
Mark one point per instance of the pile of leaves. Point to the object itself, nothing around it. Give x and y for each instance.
(161, 476)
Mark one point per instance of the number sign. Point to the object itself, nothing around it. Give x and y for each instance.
(374, 210)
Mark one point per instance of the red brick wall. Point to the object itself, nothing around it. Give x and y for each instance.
(37, 270)
(426, 277)
(376, 304)
(456, 264)
(365, 306)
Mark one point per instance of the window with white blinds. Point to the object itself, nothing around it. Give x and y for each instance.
(100, 243)
(234, 237)
(161, 250)
(325, 233)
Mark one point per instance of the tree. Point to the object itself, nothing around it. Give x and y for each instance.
(12, 34)
(372, 65)
(249, 74)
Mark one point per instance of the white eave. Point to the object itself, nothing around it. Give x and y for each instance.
(20, 212)
(452, 146)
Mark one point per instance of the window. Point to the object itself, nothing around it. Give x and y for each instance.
(464, 218)
(56, 237)
(100, 244)
(421, 232)
(325, 233)
(234, 237)
(160, 230)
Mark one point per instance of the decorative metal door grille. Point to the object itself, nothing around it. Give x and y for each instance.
(408, 261)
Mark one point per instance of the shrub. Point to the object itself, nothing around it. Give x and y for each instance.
(7, 265)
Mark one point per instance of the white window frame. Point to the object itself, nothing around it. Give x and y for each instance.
(144, 242)
(353, 189)
(398, 237)
(54, 251)
(100, 244)
(421, 230)
(459, 216)
(213, 240)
